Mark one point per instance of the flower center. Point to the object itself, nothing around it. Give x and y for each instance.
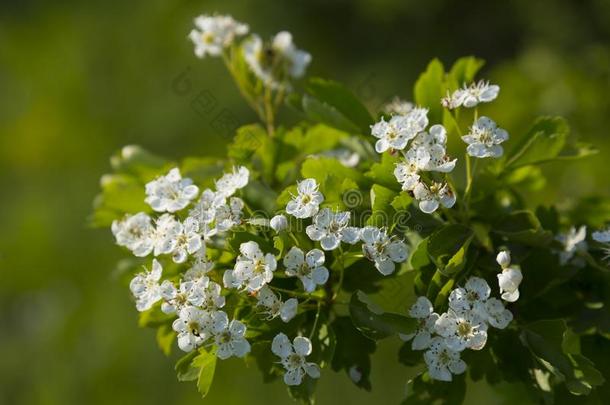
(194, 328)
(464, 329)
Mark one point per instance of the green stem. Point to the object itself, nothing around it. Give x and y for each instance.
(341, 274)
(296, 294)
(249, 100)
(269, 111)
(315, 322)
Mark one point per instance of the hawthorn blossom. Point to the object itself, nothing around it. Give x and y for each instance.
(252, 268)
(275, 61)
(431, 145)
(229, 183)
(171, 192)
(184, 240)
(407, 169)
(573, 242)
(205, 209)
(485, 138)
(443, 362)
(293, 356)
(274, 307)
(471, 297)
(177, 298)
(307, 202)
(423, 311)
(382, 249)
(462, 330)
(194, 326)
(471, 96)
(214, 33)
(398, 106)
(433, 196)
(200, 267)
(509, 281)
(278, 223)
(136, 233)
(228, 216)
(399, 130)
(145, 287)
(497, 315)
(229, 337)
(330, 229)
(309, 268)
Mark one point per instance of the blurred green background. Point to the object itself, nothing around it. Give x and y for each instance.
(78, 80)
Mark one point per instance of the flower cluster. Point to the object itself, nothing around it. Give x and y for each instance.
(274, 62)
(464, 326)
(426, 153)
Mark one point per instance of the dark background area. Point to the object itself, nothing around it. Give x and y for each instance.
(78, 80)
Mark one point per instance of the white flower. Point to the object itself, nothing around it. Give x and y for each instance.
(470, 298)
(462, 330)
(573, 242)
(509, 281)
(200, 267)
(481, 92)
(228, 216)
(407, 170)
(293, 358)
(383, 250)
(171, 192)
(229, 183)
(166, 229)
(275, 62)
(503, 259)
(229, 337)
(136, 233)
(397, 132)
(431, 197)
(330, 229)
(423, 311)
(145, 287)
(430, 147)
(274, 307)
(307, 202)
(209, 296)
(485, 138)
(308, 268)
(194, 326)
(205, 209)
(443, 362)
(214, 33)
(397, 106)
(182, 239)
(601, 236)
(178, 298)
(278, 223)
(497, 315)
(471, 96)
(253, 269)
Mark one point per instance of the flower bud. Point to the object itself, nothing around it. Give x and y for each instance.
(509, 281)
(278, 223)
(503, 258)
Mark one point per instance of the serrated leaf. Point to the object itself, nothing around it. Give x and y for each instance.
(542, 143)
(430, 88)
(206, 362)
(373, 322)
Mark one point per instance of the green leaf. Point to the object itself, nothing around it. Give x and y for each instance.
(121, 194)
(165, 338)
(373, 322)
(552, 344)
(543, 142)
(422, 390)
(352, 352)
(430, 89)
(523, 227)
(202, 170)
(464, 71)
(206, 362)
(383, 172)
(381, 200)
(319, 111)
(342, 100)
(447, 247)
(265, 360)
(184, 367)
